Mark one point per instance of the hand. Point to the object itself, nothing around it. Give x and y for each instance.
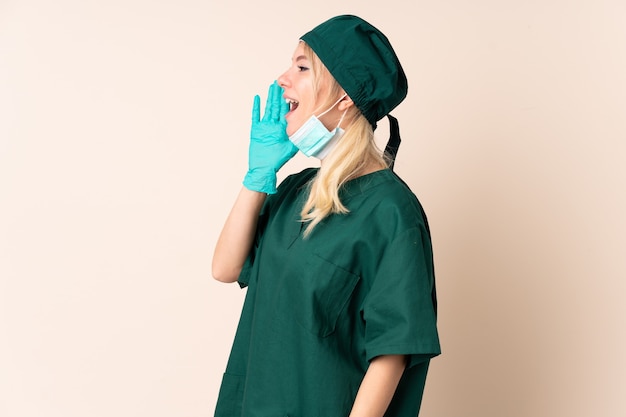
(270, 147)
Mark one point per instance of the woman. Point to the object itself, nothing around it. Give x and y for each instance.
(340, 313)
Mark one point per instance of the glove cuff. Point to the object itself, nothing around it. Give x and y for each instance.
(260, 181)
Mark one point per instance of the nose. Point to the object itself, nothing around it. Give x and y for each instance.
(283, 79)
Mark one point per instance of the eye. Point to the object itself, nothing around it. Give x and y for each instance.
(302, 68)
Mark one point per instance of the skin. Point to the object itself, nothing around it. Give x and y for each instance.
(235, 240)
(378, 386)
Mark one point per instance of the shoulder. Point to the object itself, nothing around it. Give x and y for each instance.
(386, 198)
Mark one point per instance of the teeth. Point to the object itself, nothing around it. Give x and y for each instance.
(292, 104)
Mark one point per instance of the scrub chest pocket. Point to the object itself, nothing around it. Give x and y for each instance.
(317, 294)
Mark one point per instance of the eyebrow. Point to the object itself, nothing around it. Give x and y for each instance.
(300, 58)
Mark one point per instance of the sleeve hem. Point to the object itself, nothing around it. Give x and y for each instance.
(418, 353)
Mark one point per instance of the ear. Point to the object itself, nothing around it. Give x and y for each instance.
(345, 103)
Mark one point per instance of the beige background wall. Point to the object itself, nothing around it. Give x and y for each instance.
(123, 140)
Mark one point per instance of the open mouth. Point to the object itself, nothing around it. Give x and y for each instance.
(293, 104)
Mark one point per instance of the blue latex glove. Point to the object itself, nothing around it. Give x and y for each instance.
(270, 147)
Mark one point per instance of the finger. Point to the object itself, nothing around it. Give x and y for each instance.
(268, 104)
(256, 109)
(276, 99)
(284, 109)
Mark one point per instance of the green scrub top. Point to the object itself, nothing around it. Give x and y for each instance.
(319, 309)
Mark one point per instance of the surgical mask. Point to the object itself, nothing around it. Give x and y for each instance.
(313, 139)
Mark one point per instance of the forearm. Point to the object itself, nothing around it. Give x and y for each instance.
(235, 240)
(378, 386)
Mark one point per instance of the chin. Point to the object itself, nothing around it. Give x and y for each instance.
(291, 129)
(293, 124)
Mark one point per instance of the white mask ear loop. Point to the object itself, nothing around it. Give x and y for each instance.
(342, 116)
(331, 107)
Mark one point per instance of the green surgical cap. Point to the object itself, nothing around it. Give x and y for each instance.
(362, 61)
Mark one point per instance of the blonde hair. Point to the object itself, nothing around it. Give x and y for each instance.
(353, 154)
